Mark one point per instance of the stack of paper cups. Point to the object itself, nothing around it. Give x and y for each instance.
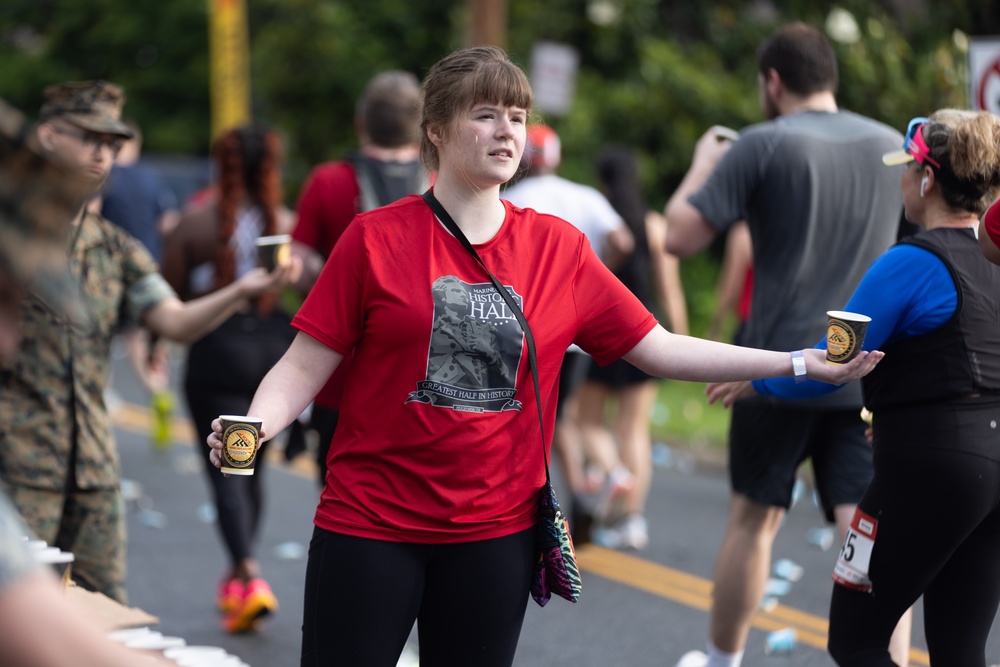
(61, 561)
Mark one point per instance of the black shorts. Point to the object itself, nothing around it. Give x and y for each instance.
(617, 375)
(571, 375)
(767, 444)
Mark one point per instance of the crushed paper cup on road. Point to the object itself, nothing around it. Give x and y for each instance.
(777, 587)
(780, 642)
(788, 570)
(821, 537)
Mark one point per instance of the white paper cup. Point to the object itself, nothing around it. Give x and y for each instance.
(126, 634)
(59, 560)
(195, 651)
(274, 250)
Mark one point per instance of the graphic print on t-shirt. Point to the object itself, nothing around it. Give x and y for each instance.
(474, 350)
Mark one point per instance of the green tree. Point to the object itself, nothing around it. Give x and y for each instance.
(654, 74)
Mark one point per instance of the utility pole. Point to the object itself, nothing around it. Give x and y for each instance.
(486, 22)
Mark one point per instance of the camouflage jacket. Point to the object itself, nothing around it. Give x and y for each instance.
(52, 394)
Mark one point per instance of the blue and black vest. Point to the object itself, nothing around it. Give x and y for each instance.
(960, 358)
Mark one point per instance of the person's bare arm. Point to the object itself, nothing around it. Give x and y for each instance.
(39, 627)
(666, 274)
(990, 250)
(689, 232)
(668, 355)
(312, 265)
(287, 388)
(619, 244)
(185, 322)
(736, 262)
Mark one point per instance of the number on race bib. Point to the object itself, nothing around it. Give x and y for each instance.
(852, 566)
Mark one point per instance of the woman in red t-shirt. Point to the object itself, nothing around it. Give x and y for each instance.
(428, 510)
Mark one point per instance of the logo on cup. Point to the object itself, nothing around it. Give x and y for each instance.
(845, 334)
(840, 340)
(240, 436)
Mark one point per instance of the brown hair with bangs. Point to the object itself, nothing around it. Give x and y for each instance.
(465, 78)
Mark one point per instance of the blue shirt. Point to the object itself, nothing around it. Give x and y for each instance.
(908, 291)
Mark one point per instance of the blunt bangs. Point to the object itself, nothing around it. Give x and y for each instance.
(497, 82)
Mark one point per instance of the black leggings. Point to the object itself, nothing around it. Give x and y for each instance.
(938, 536)
(362, 597)
(223, 371)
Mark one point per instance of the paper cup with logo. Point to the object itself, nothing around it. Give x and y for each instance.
(845, 333)
(240, 438)
(274, 250)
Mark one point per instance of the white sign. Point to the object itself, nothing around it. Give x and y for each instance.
(984, 74)
(553, 76)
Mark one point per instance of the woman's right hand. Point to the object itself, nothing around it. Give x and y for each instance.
(258, 280)
(214, 441)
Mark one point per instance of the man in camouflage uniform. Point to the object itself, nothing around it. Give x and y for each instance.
(38, 626)
(36, 197)
(58, 460)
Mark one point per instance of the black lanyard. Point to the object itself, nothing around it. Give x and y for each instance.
(456, 231)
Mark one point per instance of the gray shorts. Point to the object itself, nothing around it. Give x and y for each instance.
(767, 444)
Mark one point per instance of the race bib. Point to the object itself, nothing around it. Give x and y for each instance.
(856, 554)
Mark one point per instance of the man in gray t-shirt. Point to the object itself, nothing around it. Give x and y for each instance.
(820, 207)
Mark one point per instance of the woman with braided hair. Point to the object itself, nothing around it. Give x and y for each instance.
(212, 246)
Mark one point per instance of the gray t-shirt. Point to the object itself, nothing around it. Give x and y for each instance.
(821, 207)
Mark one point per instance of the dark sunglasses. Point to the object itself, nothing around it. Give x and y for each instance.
(92, 140)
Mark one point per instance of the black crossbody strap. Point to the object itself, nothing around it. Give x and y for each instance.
(452, 227)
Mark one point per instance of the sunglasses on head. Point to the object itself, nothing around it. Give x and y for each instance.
(914, 143)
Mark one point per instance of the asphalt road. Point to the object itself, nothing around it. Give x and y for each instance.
(637, 609)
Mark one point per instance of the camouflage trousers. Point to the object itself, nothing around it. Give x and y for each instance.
(90, 524)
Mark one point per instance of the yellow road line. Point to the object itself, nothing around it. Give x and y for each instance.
(696, 592)
(617, 566)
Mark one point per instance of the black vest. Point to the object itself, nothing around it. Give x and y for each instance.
(960, 358)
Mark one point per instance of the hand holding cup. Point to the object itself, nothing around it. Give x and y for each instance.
(845, 334)
(818, 368)
(234, 442)
(274, 251)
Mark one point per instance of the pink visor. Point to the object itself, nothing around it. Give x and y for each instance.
(914, 147)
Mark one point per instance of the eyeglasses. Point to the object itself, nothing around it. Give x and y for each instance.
(914, 143)
(93, 140)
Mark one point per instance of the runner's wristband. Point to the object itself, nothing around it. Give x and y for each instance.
(798, 366)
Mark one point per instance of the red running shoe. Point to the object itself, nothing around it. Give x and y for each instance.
(258, 601)
(231, 594)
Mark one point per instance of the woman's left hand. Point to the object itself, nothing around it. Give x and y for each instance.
(817, 367)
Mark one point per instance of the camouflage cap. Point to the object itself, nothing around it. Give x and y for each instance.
(38, 200)
(93, 105)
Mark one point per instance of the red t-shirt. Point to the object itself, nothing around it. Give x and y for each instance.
(329, 201)
(992, 223)
(438, 439)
